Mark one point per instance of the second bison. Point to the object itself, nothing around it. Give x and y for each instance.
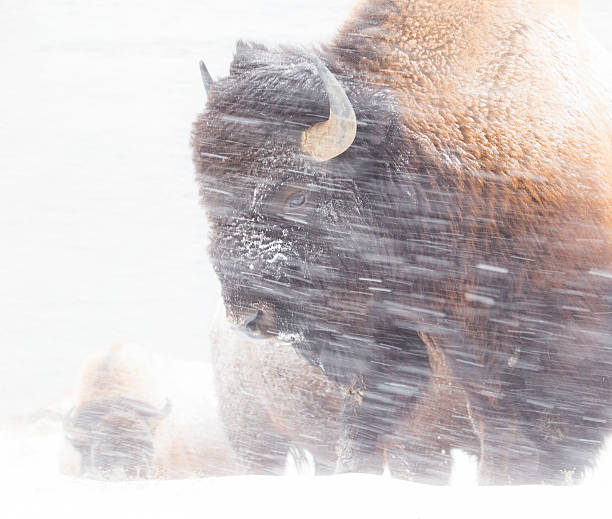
(136, 415)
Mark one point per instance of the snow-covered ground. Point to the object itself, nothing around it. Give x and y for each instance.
(103, 240)
(32, 488)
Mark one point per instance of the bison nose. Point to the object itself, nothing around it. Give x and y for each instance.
(255, 325)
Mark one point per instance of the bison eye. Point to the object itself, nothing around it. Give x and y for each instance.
(295, 201)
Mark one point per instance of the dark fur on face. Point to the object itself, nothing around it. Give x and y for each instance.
(375, 259)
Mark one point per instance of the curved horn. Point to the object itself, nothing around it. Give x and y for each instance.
(207, 79)
(328, 139)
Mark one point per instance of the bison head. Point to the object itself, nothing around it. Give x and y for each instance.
(114, 436)
(299, 170)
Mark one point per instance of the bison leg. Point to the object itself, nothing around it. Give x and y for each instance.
(551, 440)
(419, 449)
(258, 447)
(507, 455)
(358, 449)
(378, 402)
(542, 408)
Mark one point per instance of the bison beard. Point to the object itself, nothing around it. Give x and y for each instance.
(399, 263)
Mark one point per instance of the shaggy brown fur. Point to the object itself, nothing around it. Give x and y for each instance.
(468, 226)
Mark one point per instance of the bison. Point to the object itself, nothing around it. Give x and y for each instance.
(123, 425)
(425, 203)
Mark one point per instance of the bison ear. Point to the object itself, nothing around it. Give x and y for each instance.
(248, 56)
(379, 141)
(379, 124)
